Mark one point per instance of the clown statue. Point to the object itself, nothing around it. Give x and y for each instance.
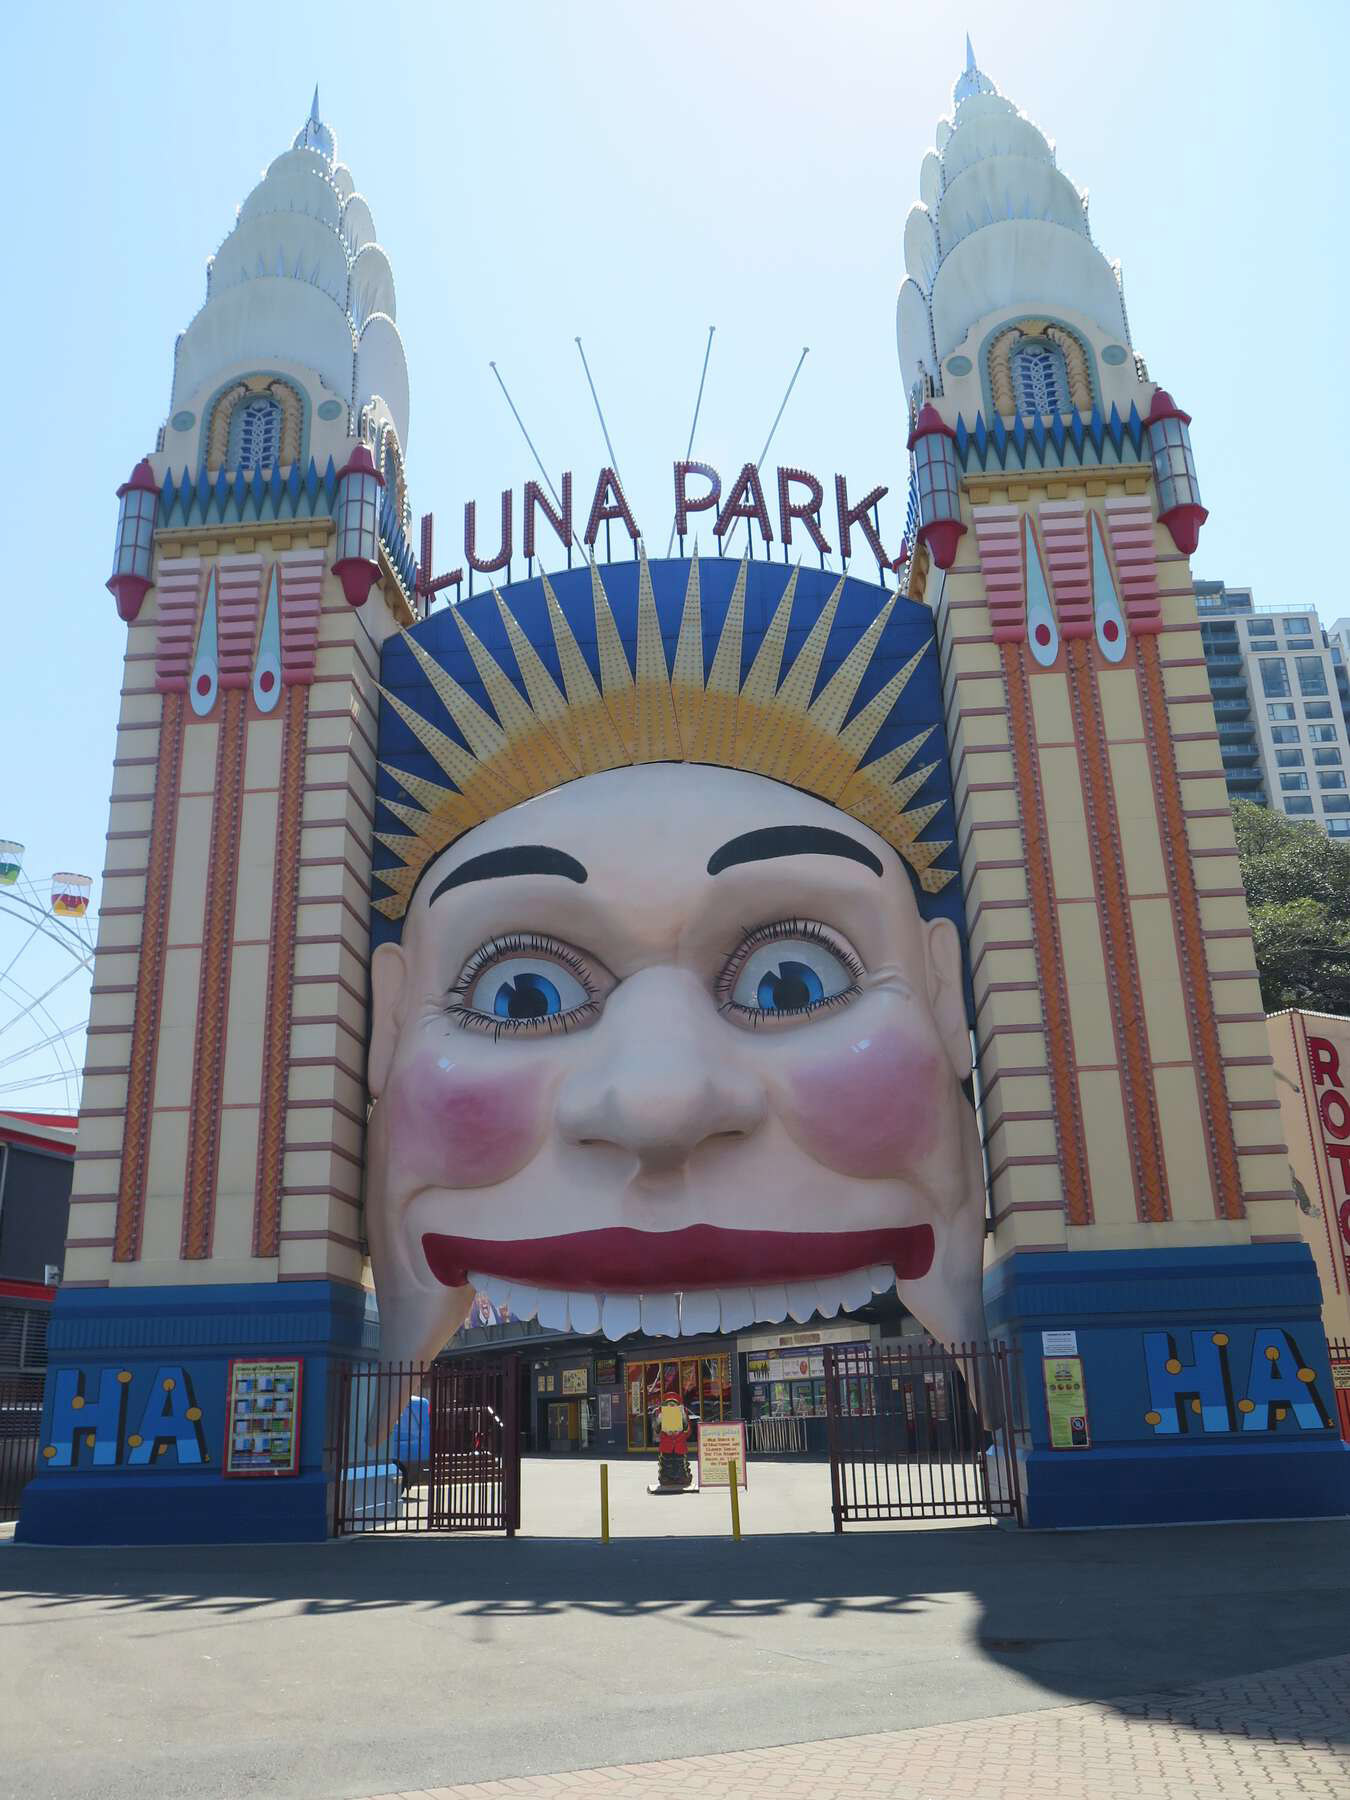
(669, 1022)
(673, 1472)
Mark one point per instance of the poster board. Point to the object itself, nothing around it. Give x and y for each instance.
(720, 1442)
(1066, 1403)
(262, 1426)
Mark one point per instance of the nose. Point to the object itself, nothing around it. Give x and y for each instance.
(663, 1078)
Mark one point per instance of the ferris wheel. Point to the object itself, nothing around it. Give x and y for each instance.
(46, 973)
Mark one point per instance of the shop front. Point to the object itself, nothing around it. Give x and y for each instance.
(564, 1405)
(703, 1378)
(784, 1375)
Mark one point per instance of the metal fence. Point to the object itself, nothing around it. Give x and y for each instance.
(427, 1447)
(20, 1434)
(923, 1431)
(778, 1436)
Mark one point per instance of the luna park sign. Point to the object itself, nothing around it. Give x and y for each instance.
(791, 509)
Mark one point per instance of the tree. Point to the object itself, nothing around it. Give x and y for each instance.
(1298, 893)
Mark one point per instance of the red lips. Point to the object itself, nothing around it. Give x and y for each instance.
(621, 1260)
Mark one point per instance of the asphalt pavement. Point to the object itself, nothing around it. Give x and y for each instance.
(378, 1665)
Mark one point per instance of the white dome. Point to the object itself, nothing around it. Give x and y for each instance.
(1009, 230)
(260, 322)
(371, 287)
(382, 368)
(283, 244)
(1022, 262)
(299, 280)
(358, 227)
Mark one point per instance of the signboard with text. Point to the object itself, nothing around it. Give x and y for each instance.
(262, 1430)
(720, 1443)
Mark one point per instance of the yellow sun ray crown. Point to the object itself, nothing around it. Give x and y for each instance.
(767, 724)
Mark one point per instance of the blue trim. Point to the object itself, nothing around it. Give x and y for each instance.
(1225, 1428)
(115, 1347)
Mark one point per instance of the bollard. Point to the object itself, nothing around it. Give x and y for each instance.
(604, 1503)
(735, 1500)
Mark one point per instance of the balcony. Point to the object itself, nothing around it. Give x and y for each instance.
(1232, 709)
(1223, 665)
(1235, 755)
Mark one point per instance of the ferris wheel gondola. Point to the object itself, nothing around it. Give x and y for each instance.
(46, 972)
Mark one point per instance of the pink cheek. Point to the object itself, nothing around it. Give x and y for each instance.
(873, 1110)
(457, 1130)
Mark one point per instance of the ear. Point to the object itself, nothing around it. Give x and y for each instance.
(946, 993)
(388, 972)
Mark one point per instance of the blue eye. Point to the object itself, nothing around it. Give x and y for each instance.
(789, 974)
(789, 987)
(525, 989)
(529, 996)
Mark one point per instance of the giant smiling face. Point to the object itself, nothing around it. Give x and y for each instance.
(670, 1047)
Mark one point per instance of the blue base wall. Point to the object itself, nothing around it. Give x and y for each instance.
(1208, 1390)
(123, 1346)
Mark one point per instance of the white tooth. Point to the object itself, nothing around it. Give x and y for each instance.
(622, 1313)
(524, 1300)
(584, 1311)
(801, 1300)
(827, 1298)
(659, 1315)
(855, 1289)
(738, 1308)
(882, 1277)
(770, 1304)
(700, 1313)
(497, 1289)
(553, 1309)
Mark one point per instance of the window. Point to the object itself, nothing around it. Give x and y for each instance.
(255, 434)
(1294, 784)
(1323, 758)
(1285, 734)
(1300, 643)
(1040, 378)
(1322, 734)
(1318, 709)
(1281, 712)
(1274, 675)
(1289, 759)
(1297, 627)
(1312, 674)
(1301, 809)
(1336, 803)
(1331, 778)
(1261, 627)
(1338, 827)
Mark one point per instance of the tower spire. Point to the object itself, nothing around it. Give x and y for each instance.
(314, 103)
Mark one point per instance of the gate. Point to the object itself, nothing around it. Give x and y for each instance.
(20, 1430)
(427, 1447)
(923, 1431)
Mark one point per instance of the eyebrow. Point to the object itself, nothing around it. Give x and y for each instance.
(517, 859)
(791, 840)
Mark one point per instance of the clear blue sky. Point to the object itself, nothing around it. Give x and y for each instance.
(539, 169)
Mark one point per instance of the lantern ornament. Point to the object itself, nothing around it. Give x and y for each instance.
(131, 580)
(358, 529)
(1169, 447)
(933, 446)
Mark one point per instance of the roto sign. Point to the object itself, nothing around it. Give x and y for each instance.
(1333, 1112)
(795, 500)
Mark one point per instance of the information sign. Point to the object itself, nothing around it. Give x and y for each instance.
(1066, 1403)
(720, 1443)
(1059, 1343)
(262, 1431)
(575, 1381)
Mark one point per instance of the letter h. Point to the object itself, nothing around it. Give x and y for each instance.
(74, 1416)
(1178, 1392)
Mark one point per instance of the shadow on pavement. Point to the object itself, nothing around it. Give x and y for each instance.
(1086, 1616)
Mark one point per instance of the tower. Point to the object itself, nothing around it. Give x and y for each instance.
(1141, 1207)
(261, 559)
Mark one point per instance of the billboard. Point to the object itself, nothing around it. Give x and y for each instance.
(1312, 1078)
